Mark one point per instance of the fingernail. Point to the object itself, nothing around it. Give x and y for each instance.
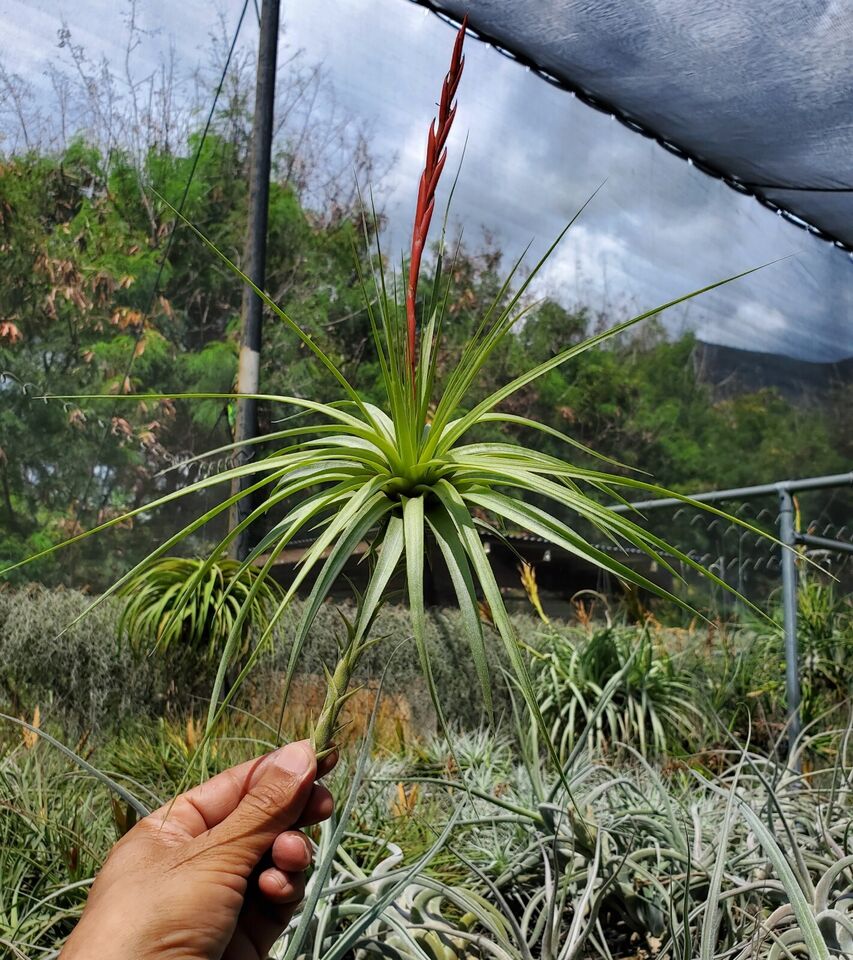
(297, 758)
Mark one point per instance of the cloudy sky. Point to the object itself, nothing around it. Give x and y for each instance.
(656, 229)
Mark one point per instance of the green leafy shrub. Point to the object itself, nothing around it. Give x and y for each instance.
(825, 635)
(743, 669)
(75, 670)
(84, 675)
(742, 679)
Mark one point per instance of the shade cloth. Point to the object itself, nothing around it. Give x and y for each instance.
(758, 94)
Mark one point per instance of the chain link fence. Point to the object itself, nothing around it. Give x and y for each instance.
(745, 560)
(811, 518)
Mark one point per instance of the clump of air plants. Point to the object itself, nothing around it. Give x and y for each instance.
(157, 616)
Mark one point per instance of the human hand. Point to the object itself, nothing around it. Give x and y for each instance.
(214, 875)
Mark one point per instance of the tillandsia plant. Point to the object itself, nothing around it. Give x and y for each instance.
(412, 470)
(157, 614)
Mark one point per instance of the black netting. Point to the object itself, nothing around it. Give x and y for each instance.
(758, 94)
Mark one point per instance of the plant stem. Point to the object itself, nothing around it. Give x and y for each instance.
(338, 691)
(337, 694)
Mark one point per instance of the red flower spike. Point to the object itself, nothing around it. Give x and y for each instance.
(436, 155)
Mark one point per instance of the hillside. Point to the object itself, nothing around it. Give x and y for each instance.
(732, 372)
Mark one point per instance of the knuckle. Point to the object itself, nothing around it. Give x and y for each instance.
(269, 798)
(152, 830)
(147, 827)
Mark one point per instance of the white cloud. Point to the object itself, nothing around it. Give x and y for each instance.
(753, 322)
(586, 263)
(658, 228)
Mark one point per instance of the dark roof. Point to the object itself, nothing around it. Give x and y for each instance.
(299, 546)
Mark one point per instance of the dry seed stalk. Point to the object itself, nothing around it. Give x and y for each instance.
(436, 155)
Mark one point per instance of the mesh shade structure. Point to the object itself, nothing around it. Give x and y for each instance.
(756, 94)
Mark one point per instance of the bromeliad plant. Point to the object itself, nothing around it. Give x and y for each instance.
(653, 708)
(413, 471)
(158, 615)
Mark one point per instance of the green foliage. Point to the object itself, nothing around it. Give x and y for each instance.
(83, 673)
(82, 249)
(169, 605)
(741, 675)
(653, 708)
(643, 403)
(82, 313)
(825, 635)
(86, 675)
(396, 445)
(398, 473)
(825, 638)
(467, 848)
(75, 671)
(742, 668)
(54, 831)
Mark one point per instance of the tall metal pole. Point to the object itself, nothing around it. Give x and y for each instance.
(248, 376)
(787, 535)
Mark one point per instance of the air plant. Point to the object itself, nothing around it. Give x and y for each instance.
(753, 863)
(158, 615)
(413, 470)
(653, 708)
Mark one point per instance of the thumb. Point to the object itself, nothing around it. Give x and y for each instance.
(275, 795)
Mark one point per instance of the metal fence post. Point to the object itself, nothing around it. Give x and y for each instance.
(784, 490)
(789, 613)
